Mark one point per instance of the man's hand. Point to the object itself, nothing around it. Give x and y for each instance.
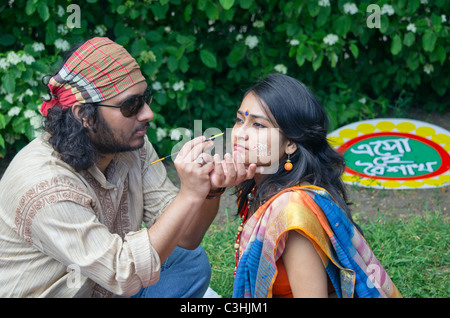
(231, 171)
(193, 174)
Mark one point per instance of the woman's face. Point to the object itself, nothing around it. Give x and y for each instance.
(254, 136)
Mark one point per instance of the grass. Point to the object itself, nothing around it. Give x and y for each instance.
(414, 252)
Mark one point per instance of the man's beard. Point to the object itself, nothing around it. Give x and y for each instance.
(105, 142)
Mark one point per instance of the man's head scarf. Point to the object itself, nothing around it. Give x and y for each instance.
(98, 70)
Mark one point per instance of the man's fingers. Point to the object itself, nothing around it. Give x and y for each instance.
(187, 147)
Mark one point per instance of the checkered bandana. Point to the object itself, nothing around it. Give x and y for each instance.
(100, 69)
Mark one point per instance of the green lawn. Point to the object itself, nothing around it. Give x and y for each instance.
(414, 252)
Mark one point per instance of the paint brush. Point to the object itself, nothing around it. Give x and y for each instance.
(210, 138)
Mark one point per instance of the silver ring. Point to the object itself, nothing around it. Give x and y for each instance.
(201, 161)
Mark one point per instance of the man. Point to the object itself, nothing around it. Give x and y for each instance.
(73, 201)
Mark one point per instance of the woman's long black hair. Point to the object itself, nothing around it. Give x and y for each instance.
(67, 134)
(303, 120)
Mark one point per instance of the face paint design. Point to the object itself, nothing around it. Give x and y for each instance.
(246, 113)
(261, 150)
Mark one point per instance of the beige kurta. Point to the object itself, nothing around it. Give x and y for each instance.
(69, 234)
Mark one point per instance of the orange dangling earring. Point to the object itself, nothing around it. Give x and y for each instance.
(288, 164)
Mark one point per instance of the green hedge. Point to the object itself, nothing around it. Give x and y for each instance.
(200, 55)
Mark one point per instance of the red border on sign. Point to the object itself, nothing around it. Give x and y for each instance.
(445, 157)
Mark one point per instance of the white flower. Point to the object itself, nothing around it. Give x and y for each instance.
(4, 64)
(29, 92)
(13, 58)
(160, 133)
(38, 47)
(99, 30)
(362, 100)
(324, 3)
(29, 113)
(387, 9)
(167, 29)
(14, 111)
(330, 39)
(62, 45)
(178, 86)
(62, 29)
(36, 121)
(32, 82)
(175, 134)
(424, 1)
(428, 68)
(350, 8)
(156, 86)
(258, 24)
(61, 11)
(239, 37)
(9, 98)
(27, 59)
(280, 68)
(443, 18)
(294, 42)
(411, 27)
(251, 41)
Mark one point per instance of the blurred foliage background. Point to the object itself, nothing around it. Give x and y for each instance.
(201, 55)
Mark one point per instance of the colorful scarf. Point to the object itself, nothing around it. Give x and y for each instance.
(98, 70)
(351, 265)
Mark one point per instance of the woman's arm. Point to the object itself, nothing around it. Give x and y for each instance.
(305, 270)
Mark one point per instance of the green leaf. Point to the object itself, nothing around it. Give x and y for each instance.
(43, 11)
(172, 63)
(354, 49)
(208, 58)
(227, 4)
(121, 9)
(236, 54)
(187, 13)
(409, 39)
(9, 83)
(2, 121)
(396, 45)
(211, 11)
(313, 8)
(245, 4)
(429, 41)
(334, 59)
(441, 54)
(7, 39)
(30, 7)
(342, 25)
(318, 61)
(184, 64)
(412, 61)
(199, 85)
(412, 6)
(2, 142)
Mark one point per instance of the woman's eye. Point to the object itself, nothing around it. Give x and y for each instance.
(238, 120)
(259, 125)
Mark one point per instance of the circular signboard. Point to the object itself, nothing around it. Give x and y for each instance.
(394, 153)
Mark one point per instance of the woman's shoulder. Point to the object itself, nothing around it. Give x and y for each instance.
(288, 196)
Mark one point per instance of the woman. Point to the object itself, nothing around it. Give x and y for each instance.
(297, 237)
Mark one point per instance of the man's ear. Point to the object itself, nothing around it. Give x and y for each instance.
(76, 111)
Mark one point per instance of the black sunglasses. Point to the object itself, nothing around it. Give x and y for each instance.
(131, 106)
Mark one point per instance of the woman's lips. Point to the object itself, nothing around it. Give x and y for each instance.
(239, 147)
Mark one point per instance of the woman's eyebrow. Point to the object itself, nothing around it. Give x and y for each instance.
(254, 116)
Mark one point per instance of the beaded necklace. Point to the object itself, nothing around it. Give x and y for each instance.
(244, 215)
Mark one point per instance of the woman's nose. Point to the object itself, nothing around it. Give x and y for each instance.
(241, 132)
